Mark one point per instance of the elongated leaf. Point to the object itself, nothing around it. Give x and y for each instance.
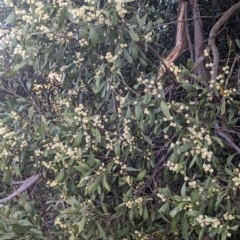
(165, 109)
(11, 17)
(185, 227)
(133, 35)
(127, 56)
(141, 175)
(117, 148)
(62, 18)
(81, 224)
(20, 65)
(106, 184)
(93, 35)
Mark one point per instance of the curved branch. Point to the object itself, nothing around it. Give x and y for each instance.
(180, 40)
(26, 184)
(212, 37)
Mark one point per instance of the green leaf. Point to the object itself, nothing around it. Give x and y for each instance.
(223, 106)
(131, 169)
(41, 131)
(93, 35)
(36, 232)
(62, 18)
(174, 222)
(153, 214)
(77, 140)
(25, 223)
(218, 140)
(91, 159)
(141, 175)
(238, 43)
(164, 208)
(61, 175)
(183, 190)
(84, 166)
(30, 113)
(115, 18)
(101, 231)
(127, 56)
(145, 213)
(7, 176)
(81, 224)
(20, 65)
(133, 35)
(138, 111)
(165, 109)
(229, 172)
(94, 186)
(185, 227)
(174, 212)
(25, 29)
(234, 228)
(97, 136)
(10, 18)
(147, 139)
(190, 64)
(188, 87)
(117, 149)
(106, 184)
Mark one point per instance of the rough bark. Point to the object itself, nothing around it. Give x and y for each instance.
(213, 33)
(198, 37)
(189, 40)
(180, 42)
(212, 38)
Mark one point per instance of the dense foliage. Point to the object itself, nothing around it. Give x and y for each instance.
(122, 154)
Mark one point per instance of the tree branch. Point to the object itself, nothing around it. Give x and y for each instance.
(212, 37)
(180, 41)
(227, 138)
(25, 185)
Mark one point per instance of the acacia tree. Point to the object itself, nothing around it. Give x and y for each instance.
(107, 142)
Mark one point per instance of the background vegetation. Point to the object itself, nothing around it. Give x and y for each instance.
(100, 146)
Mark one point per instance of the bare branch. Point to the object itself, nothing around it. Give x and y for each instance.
(212, 37)
(226, 137)
(180, 41)
(189, 41)
(27, 183)
(198, 37)
(21, 182)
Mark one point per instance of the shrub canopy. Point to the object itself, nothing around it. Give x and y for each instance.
(107, 149)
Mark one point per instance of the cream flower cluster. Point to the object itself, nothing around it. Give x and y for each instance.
(137, 202)
(213, 223)
(61, 3)
(236, 178)
(206, 221)
(120, 8)
(123, 166)
(129, 181)
(176, 71)
(208, 168)
(151, 86)
(87, 13)
(110, 58)
(173, 166)
(162, 197)
(148, 37)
